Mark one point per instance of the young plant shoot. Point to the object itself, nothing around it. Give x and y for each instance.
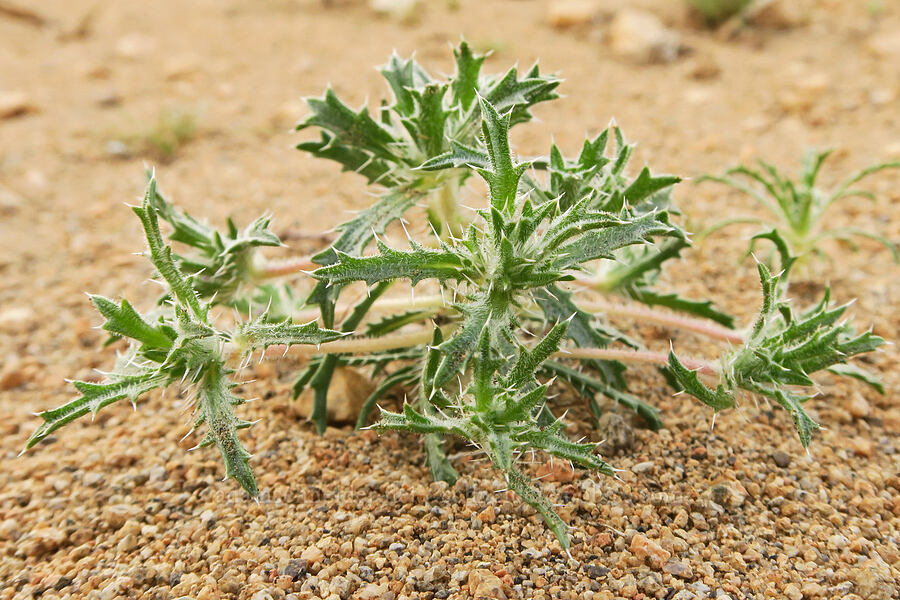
(797, 209)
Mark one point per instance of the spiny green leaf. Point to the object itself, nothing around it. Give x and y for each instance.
(797, 207)
(528, 362)
(466, 80)
(700, 308)
(588, 387)
(718, 399)
(436, 459)
(520, 484)
(457, 350)
(602, 243)
(161, 256)
(404, 376)
(803, 422)
(847, 370)
(253, 335)
(123, 320)
(503, 176)
(94, 397)
(459, 156)
(216, 408)
(416, 265)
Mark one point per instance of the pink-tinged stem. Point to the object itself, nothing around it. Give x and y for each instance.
(667, 318)
(644, 356)
(286, 267)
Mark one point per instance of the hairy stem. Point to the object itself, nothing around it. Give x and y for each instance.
(286, 267)
(356, 345)
(667, 318)
(387, 305)
(642, 356)
(349, 345)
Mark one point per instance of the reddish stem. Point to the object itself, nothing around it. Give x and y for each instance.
(645, 356)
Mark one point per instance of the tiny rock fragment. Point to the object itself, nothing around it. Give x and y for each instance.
(22, 14)
(727, 494)
(678, 569)
(312, 555)
(294, 569)
(358, 524)
(596, 571)
(108, 98)
(704, 66)
(15, 103)
(371, 591)
(647, 550)
(640, 36)
(805, 93)
(569, 13)
(792, 591)
(782, 459)
(403, 10)
(862, 446)
(118, 149)
(44, 540)
(9, 530)
(116, 515)
(127, 543)
(557, 470)
(616, 433)
(10, 202)
(859, 407)
(884, 45)
(181, 67)
(14, 373)
(487, 515)
(882, 96)
(873, 580)
(484, 584)
(348, 390)
(643, 467)
(133, 46)
(811, 590)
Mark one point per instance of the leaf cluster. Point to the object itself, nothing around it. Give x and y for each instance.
(181, 344)
(515, 251)
(783, 350)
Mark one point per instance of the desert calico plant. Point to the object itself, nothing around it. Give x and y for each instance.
(494, 320)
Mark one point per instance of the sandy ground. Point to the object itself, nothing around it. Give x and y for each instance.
(119, 509)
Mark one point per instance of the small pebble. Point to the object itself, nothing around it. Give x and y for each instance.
(647, 550)
(782, 459)
(859, 407)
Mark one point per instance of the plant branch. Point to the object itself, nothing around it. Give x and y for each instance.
(642, 356)
(286, 267)
(667, 318)
(349, 345)
(365, 345)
